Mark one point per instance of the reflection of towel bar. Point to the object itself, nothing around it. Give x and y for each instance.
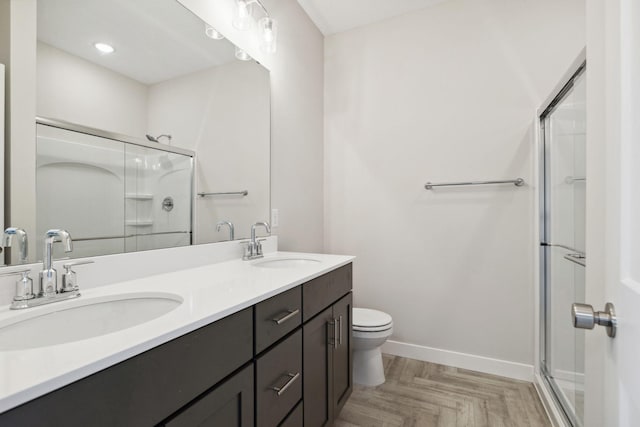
(84, 239)
(579, 259)
(228, 193)
(518, 182)
(572, 179)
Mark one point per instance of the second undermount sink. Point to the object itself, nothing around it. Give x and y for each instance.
(285, 262)
(83, 319)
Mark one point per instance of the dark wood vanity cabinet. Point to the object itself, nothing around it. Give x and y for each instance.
(284, 362)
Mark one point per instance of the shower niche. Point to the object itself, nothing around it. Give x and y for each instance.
(113, 193)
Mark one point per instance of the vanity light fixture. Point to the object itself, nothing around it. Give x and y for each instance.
(267, 26)
(212, 33)
(268, 29)
(242, 18)
(104, 47)
(242, 55)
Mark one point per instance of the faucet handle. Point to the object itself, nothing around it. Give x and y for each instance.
(69, 277)
(24, 287)
(249, 250)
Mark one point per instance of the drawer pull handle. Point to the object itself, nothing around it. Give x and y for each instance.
(290, 315)
(292, 379)
(340, 320)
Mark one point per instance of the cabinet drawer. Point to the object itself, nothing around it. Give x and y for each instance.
(321, 292)
(276, 317)
(229, 404)
(295, 418)
(279, 381)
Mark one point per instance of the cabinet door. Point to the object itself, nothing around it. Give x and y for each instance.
(342, 354)
(318, 363)
(229, 404)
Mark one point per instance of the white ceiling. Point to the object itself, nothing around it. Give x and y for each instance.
(155, 40)
(335, 16)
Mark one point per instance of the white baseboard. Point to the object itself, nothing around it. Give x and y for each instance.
(518, 371)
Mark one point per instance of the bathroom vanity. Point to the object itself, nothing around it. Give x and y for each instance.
(274, 349)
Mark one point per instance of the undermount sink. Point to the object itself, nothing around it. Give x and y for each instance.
(285, 262)
(83, 319)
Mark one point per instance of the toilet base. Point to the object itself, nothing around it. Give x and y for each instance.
(367, 367)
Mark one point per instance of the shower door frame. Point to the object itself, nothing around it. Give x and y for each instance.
(546, 389)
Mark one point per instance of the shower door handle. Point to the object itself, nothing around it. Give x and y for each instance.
(584, 317)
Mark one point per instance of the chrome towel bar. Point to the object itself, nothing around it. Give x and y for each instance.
(127, 236)
(518, 182)
(228, 193)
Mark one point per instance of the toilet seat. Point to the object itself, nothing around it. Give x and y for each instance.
(368, 320)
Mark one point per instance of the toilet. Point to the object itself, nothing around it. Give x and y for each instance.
(371, 328)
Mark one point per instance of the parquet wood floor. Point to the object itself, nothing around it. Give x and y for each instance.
(421, 394)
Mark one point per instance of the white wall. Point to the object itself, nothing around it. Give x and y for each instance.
(18, 53)
(448, 93)
(222, 114)
(296, 116)
(78, 91)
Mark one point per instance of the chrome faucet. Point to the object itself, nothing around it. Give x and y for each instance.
(231, 228)
(7, 241)
(47, 291)
(254, 247)
(49, 276)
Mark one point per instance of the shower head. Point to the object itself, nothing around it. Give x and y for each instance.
(157, 138)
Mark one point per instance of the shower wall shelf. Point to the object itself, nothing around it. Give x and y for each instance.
(139, 196)
(518, 182)
(227, 193)
(139, 223)
(573, 179)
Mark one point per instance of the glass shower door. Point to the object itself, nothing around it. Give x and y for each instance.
(563, 245)
(158, 195)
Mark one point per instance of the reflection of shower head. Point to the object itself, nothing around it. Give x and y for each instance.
(157, 138)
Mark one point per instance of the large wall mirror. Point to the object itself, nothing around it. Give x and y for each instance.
(150, 145)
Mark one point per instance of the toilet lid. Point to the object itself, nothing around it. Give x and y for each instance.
(370, 319)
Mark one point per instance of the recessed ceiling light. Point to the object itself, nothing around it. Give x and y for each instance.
(104, 48)
(213, 33)
(242, 55)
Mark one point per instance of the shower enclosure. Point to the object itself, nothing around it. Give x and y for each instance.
(562, 245)
(113, 193)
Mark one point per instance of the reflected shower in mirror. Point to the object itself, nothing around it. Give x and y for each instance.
(160, 81)
(131, 183)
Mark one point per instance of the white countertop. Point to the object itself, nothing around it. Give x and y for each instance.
(209, 293)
